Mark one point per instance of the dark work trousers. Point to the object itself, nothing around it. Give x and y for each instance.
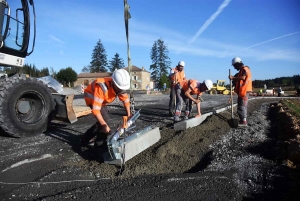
(242, 107)
(172, 99)
(182, 98)
(96, 129)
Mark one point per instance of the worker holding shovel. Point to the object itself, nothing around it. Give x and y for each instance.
(243, 86)
(176, 76)
(184, 94)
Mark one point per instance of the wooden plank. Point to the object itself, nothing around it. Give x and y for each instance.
(81, 110)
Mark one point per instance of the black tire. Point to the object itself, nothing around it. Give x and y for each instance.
(26, 106)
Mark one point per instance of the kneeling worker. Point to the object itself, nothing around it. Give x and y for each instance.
(184, 94)
(97, 95)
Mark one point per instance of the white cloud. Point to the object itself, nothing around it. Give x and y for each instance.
(53, 38)
(280, 37)
(209, 21)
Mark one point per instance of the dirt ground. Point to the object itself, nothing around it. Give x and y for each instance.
(209, 162)
(195, 149)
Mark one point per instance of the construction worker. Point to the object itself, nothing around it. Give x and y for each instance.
(184, 94)
(298, 92)
(243, 87)
(176, 76)
(97, 95)
(279, 91)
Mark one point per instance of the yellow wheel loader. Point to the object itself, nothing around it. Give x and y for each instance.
(27, 105)
(219, 88)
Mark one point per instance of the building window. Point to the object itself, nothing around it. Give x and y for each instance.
(135, 77)
(136, 86)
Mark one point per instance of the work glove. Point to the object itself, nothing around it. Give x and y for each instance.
(105, 129)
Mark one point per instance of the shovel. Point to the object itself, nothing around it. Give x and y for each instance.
(233, 122)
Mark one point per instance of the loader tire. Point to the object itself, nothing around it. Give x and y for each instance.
(26, 106)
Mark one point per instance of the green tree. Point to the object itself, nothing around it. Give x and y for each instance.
(164, 79)
(99, 59)
(284, 82)
(67, 75)
(154, 66)
(160, 61)
(44, 72)
(116, 63)
(86, 69)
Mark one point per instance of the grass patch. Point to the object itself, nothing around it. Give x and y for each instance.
(294, 107)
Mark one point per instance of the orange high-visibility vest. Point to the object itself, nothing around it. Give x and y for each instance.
(194, 85)
(244, 86)
(177, 77)
(100, 92)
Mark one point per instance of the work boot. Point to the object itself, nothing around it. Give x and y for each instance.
(176, 118)
(84, 142)
(187, 114)
(171, 113)
(99, 143)
(243, 124)
(100, 140)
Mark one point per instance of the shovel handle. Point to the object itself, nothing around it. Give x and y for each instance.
(231, 95)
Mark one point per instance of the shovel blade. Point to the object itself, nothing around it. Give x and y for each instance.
(233, 123)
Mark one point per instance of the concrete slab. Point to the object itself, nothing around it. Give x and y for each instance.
(183, 125)
(132, 146)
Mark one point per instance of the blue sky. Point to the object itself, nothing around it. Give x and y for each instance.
(206, 34)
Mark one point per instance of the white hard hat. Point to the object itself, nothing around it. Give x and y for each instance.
(208, 84)
(236, 60)
(181, 63)
(121, 78)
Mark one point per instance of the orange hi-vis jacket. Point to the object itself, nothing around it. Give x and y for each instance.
(242, 87)
(100, 92)
(178, 76)
(194, 85)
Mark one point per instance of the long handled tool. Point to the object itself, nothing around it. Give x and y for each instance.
(233, 122)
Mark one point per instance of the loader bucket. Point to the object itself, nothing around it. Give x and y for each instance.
(124, 149)
(64, 107)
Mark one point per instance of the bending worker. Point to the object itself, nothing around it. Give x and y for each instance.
(97, 95)
(176, 76)
(243, 86)
(184, 94)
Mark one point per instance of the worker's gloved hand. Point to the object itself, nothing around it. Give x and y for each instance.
(105, 129)
(229, 100)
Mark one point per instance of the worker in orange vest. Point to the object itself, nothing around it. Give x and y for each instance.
(243, 87)
(176, 76)
(97, 95)
(184, 94)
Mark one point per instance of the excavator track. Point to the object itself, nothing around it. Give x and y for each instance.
(26, 106)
